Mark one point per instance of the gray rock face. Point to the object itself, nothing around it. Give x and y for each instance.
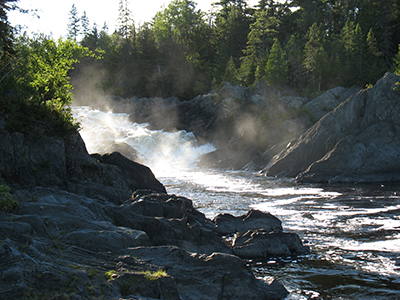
(64, 162)
(31, 160)
(329, 100)
(253, 220)
(209, 277)
(155, 245)
(261, 244)
(357, 142)
(91, 227)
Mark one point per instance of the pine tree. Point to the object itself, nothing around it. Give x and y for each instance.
(354, 46)
(315, 58)
(260, 68)
(85, 23)
(91, 38)
(6, 39)
(125, 21)
(259, 41)
(276, 69)
(359, 53)
(294, 51)
(231, 74)
(231, 28)
(374, 63)
(74, 26)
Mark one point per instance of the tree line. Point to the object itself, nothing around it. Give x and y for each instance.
(309, 45)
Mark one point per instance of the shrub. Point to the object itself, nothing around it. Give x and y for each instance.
(7, 202)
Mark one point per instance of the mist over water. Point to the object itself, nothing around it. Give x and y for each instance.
(353, 231)
(164, 152)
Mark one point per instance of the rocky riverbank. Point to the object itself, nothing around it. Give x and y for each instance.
(359, 141)
(103, 227)
(344, 135)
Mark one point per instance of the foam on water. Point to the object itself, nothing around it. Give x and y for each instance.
(354, 232)
(163, 152)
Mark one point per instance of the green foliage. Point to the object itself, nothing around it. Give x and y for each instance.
(7, 202)
(276, 69)
(110, 274)
(39, 90)
(184, 51)
(231, 73)
(397, 61)
(42, 69)
(92, 273)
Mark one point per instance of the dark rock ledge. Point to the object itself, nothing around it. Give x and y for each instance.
(103, 227)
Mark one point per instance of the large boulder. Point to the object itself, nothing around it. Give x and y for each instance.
(253, 220)
(169, 220)
(137, 176)
(357, 142)
(265, 244)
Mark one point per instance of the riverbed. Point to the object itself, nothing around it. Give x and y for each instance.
(352, 230)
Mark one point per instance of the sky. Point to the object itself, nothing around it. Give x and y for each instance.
(54, 15)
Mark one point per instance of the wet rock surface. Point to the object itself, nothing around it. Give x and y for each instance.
(263, 244)
(104, 226)
(252, 220)
(61, 243)
(357, 142)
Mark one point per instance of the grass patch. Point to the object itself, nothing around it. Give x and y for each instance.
(155, 275)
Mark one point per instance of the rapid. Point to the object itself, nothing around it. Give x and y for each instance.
(353, 230)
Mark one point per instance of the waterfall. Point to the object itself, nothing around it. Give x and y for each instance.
(105, 132)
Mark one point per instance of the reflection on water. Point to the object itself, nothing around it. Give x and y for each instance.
(353, 231)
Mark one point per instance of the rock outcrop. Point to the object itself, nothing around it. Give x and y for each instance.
(227, 224)
(35, 159)
(248, 127)
(155, 245)
(343, 135)
(91, 226)
(357, 142)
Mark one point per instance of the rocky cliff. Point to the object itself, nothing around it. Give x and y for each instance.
(357, 142)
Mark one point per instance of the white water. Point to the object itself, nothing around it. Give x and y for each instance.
(354, 231)
(163, 152)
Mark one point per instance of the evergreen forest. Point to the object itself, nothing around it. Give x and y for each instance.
(307, 45)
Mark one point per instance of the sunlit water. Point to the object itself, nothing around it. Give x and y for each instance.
(353, 231)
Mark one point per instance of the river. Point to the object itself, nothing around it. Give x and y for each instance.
(353, 230)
